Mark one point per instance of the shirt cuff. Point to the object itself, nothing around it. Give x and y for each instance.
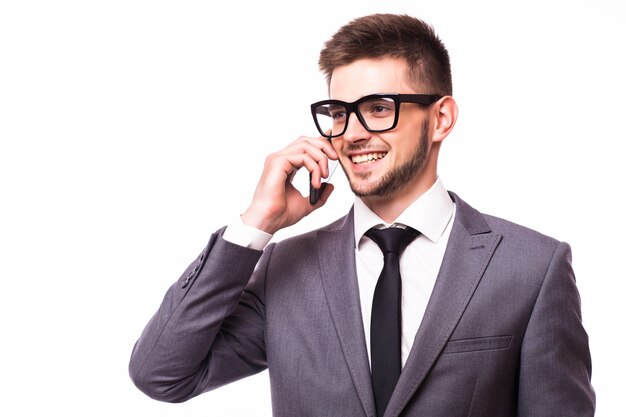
(246, 236)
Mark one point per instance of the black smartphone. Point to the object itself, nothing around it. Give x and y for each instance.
(315, 193)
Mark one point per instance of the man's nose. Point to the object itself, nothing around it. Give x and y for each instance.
(355, 131)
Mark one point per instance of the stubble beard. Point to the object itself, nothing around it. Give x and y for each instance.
(399, 176)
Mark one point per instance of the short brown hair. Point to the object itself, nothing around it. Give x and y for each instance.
(395, 36)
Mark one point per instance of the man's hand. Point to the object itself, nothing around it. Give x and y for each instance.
(276, 203)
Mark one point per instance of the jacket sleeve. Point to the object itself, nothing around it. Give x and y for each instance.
(555, 363)
(209, 329)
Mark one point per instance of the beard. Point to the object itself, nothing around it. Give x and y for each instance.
(398, 176)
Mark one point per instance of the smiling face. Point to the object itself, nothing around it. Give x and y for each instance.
(384, 166)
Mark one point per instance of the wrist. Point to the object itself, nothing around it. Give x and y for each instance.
(259, 221)
(243, 235)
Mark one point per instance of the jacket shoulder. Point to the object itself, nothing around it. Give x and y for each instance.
(477, 222)
(514, 230)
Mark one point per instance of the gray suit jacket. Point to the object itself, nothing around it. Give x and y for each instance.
(502, 333)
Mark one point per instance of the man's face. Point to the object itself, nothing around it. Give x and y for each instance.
(384, 164)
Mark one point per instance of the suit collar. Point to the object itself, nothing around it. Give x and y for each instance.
(470, 218)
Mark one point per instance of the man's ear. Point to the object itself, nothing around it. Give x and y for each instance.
(446, 113)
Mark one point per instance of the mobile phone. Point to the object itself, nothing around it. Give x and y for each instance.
(315, 193)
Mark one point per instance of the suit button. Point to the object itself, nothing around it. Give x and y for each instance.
(189, 277)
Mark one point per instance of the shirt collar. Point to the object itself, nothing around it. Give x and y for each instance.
(429, 214)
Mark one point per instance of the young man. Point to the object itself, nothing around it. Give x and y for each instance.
(472, 315)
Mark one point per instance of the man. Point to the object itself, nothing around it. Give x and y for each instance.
(472, 316)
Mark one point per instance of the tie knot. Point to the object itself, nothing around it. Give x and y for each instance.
(392, 239)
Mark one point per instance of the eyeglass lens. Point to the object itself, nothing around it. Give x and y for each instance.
(377, 113)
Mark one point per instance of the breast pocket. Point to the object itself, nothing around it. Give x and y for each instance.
(478, 344)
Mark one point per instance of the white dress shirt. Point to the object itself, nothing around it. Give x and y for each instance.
(432, 214)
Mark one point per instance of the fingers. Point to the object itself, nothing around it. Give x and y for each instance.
(319, 148)
(310, 153)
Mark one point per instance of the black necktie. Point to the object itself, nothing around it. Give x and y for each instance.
(386, 318)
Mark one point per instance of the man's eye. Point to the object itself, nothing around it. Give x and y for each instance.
(379, 109)
(338, 115)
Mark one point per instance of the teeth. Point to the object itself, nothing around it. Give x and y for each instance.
(359, 159)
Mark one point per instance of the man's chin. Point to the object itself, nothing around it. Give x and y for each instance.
(369, 185)
(360, 185)
(369, 190)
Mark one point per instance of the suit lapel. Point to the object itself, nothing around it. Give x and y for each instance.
(470, 248)
(338, 271)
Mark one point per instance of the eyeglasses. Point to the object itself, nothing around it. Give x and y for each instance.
(376, 112)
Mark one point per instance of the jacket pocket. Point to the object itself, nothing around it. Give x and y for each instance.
(478, 344)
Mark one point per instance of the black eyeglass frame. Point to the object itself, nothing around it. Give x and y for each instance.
(423, 99)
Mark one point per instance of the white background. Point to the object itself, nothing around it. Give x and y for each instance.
(131, 130)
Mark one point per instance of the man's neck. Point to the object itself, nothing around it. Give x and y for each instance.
(389, 208)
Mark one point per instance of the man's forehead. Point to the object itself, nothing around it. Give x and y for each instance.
(369, 76)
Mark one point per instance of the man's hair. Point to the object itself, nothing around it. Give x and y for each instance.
(395, 36)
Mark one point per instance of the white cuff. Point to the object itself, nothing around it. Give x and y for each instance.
(247, 236)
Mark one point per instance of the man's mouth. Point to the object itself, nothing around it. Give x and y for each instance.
(367, 158)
